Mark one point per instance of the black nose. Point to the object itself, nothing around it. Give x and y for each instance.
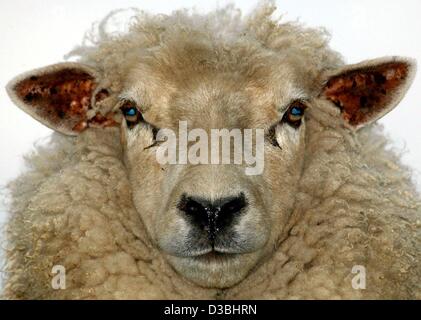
(212, 216)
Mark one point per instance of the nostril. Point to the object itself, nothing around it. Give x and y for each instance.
(212, 215)
(198, 211)
(191, 206)
(233, 205)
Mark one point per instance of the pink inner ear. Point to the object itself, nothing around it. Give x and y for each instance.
(62, 98)
(363, 93)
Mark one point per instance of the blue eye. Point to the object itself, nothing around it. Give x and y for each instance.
(297, 111)
(295, 114)
(131, 112)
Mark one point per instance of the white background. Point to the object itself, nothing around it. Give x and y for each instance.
(34, 33)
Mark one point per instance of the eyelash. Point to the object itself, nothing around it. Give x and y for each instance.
(131, 113)
(295, 113)
(291, 118)
(134, 117)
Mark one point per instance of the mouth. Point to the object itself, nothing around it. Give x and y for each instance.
(214, 256)
(211, 268)
(210, 253)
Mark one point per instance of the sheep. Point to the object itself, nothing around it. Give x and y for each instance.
(334, 215)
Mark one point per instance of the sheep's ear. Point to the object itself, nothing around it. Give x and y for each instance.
(367, 91)
(61, 96)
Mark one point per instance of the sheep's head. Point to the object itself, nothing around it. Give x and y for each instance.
(213, 218)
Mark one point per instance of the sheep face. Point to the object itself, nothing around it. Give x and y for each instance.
(214, 222)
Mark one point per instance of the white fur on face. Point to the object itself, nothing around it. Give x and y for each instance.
(138, 136)
(289, 138)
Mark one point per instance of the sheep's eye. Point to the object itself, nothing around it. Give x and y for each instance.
(131, 114)
(295, 114)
